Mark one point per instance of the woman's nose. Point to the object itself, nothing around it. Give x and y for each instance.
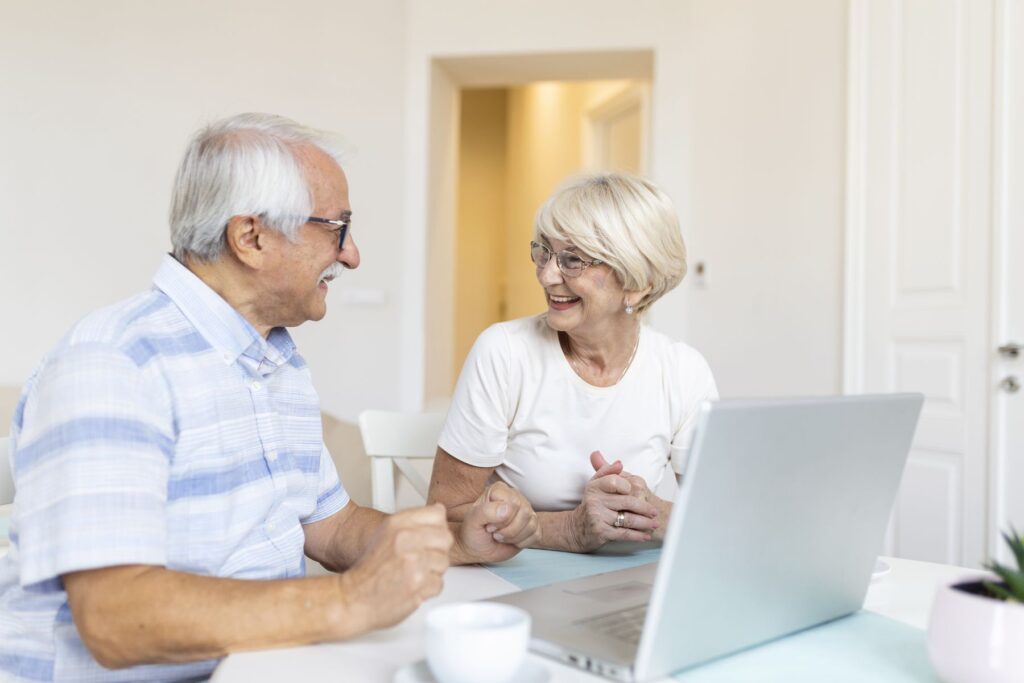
(549, 274)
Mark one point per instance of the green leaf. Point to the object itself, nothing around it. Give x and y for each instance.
(1016, 543)
(1013, 579)
(998, 591)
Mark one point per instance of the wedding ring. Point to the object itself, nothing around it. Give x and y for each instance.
(620, 520)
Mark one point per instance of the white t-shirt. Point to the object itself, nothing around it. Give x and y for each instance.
(520, 407)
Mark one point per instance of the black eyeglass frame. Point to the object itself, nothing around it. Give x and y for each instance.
(558, 259)
(342, 226)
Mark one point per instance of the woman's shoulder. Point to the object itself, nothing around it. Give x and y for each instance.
(684, 370)
(533, 328)
(513, 337)
(678, 350)
(677, 354)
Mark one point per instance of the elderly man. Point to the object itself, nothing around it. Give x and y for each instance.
(168, 454)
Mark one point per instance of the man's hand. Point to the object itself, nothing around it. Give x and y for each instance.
(498, 524)
(401, 568)
(609, 492)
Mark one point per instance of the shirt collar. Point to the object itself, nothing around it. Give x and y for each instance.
(217, 320)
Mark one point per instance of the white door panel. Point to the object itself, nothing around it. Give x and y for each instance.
(920, 212)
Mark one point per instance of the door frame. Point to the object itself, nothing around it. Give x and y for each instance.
(427, 330)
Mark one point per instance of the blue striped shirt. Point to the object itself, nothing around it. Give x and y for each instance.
(166, 431)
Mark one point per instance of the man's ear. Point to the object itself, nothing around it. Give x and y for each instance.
(246, 238)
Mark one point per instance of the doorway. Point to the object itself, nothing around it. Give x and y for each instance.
(516, 144)
(504, 131)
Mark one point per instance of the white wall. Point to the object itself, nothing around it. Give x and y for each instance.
(99, 97)
(763, 111)
(748, 132)
(97, 100)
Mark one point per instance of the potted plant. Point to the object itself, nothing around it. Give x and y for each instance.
(976, 628)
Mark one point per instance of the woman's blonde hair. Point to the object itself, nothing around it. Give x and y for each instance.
(625, 221)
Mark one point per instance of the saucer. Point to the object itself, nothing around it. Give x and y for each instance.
(881, 569)
(532, 671)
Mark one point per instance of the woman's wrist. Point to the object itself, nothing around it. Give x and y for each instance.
(560, 531)
(664, 512)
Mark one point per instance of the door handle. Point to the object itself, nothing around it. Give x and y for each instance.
(1010, 350)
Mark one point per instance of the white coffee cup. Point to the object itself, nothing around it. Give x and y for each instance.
(470, 642)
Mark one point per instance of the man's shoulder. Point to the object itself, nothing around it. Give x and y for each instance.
(124, 325)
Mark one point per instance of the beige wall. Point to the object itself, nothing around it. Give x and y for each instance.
(482, 218)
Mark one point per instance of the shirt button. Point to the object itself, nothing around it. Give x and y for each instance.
(227, 358)
(255, 386)
(270, 526)
(271, 456)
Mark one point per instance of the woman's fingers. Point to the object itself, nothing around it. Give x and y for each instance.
(631, 520)
(613, 483)
(602, 467)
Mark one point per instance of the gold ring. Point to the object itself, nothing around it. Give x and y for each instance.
(620, 520)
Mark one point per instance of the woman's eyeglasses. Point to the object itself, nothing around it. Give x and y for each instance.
(568, 262)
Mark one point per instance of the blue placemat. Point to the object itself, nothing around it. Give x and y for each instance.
(854, 649)
(532, 568)
(861, 647)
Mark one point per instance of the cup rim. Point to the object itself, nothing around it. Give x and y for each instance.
(441, 617)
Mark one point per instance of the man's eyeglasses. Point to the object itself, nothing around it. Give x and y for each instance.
(342, 226)
(568, 262)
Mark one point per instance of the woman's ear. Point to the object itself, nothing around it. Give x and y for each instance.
(635, 296)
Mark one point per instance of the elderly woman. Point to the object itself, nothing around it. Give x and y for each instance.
(582, 408)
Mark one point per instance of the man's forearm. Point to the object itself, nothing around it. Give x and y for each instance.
(339, 541)
(141, 614)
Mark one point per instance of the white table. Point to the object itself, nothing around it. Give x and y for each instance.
(904, 594)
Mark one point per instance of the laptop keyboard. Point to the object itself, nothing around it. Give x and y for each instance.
(625, 624)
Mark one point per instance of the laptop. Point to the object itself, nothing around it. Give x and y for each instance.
(781, 514)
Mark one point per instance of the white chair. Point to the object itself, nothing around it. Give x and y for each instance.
(392, 440)
(6, 478)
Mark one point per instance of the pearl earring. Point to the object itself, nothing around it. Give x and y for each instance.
(629, 309)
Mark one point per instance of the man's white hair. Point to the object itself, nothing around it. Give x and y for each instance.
(624, 220)
(245, 165)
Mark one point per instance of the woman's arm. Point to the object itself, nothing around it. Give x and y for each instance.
(459, 485)
(593, 522)
(585, 528)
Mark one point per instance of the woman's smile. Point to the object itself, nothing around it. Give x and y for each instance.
(562, 303)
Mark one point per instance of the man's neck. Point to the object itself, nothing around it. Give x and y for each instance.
(225, 278)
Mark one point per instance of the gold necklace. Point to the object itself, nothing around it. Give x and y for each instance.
(576, 368)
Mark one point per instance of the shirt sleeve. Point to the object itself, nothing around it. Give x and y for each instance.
(695, 385)
(476, 428)
(331, 494)
(91, 466)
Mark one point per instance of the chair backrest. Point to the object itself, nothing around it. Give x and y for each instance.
(6, 477)
(393, 439)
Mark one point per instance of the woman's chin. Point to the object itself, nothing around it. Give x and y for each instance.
(561, 321)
